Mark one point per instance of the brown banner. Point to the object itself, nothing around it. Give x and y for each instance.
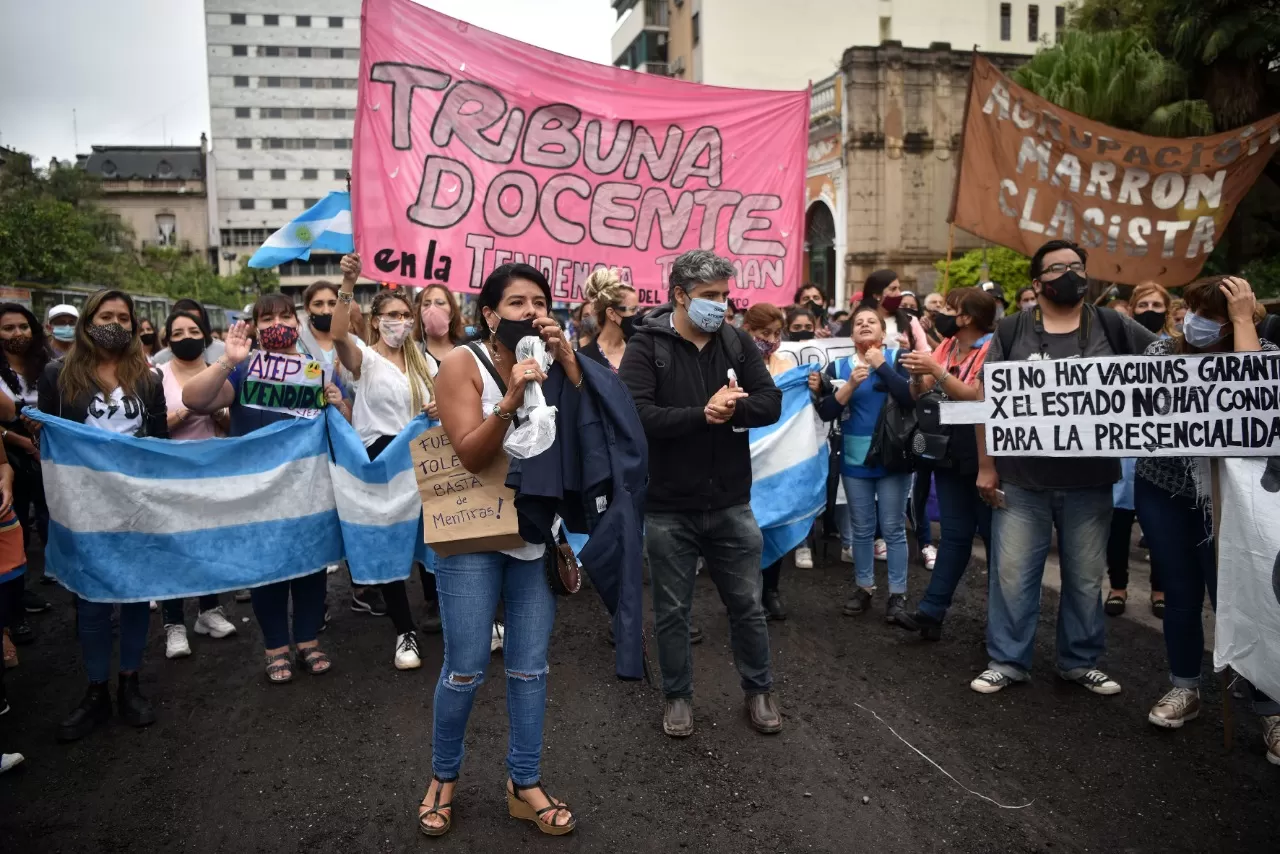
(1144, 207)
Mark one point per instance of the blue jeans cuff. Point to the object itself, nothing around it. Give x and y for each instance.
(1075, 672)
(1017, 674)
(1191, 683)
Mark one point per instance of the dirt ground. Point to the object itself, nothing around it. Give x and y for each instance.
(339, 762)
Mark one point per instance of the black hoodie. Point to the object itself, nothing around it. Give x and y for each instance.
(694, 465)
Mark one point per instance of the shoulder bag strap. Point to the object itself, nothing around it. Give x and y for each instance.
(488, 364)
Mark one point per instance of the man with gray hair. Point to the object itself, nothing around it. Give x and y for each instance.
(698, 384)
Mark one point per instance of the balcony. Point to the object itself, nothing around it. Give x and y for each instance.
(661, 69)
(647, 19)
(824, 101)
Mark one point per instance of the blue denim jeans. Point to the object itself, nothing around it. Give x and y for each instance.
(961, 512)
(1180, 536)
(470, 587)
(271, 607)
(731, 543)
(921, 486)
(95, 636)
(882, 499)
(1020, 538)
(844, 519)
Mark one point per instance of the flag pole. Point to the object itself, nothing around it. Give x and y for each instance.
(946, 271)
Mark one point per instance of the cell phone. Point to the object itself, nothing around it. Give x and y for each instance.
(999, 503)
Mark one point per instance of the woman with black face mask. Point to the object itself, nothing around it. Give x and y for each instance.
(147, 336)
(614, 306)
(188, 340)
(211, 353)
(800, 325)
(105, 382)
(811, 298)
(320, 300)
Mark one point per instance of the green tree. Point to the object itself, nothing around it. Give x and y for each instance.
(1009, 269)
(1119, 79)
(251, 282)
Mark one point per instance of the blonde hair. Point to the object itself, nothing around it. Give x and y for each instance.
(1148, 289)
(415, 364)
(603, 289)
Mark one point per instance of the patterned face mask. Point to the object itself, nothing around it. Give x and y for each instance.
(393, 332)
(112, 337)
(278, 337)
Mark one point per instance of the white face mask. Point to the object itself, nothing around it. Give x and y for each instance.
(393, 332)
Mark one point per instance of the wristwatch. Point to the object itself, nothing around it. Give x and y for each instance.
(505, 416)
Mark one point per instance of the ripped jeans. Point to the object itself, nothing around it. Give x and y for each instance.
(470, 587)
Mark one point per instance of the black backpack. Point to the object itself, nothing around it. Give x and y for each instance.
(1112, 327)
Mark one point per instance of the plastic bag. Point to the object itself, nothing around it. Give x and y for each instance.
(537, 430)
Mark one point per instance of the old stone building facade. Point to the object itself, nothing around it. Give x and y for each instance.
(883, 163)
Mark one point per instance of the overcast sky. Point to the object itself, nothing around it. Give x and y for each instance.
(134, 70)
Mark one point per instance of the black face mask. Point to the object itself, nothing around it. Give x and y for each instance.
(509, 332)
(628, 325)
(148, 338)
(187, 349)
(802, 335)
(817, 310)
(1152, 321)
(1067, 289)
(946, 324)
(321, 322)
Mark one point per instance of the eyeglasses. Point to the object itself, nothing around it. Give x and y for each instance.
(1075, 267)
(624, 311)
(396, 315)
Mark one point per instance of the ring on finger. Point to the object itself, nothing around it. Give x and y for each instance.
(528, 373)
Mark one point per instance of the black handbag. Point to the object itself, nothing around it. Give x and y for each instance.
(893, 440)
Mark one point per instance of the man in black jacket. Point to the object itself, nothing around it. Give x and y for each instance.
(698, 384)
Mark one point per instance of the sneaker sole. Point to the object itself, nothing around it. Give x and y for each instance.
(201, 629)
(1273, 758)
(987, 687)
(1166, 723)
(1103, 692)
(362, 608)
(178, 654)
(414, 666)
(677, 733)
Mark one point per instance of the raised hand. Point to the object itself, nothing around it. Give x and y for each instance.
(350, 265)
(1240, 299)
(237, 343)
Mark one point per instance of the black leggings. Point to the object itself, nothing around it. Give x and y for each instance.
(1118, 552)
(395, 593)
(771, 573)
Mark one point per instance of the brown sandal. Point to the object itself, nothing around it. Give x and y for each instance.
(445, 811)
(279, 668)
(314, 660)
(518, 807)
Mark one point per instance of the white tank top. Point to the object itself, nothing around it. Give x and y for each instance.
(490, 396)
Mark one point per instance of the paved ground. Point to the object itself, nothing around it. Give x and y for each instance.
(337, 763)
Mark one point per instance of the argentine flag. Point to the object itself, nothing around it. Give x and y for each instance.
(133, 520)
(325, 225)
(788, 469)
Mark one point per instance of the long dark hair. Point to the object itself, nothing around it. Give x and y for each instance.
(873, 294)
(199, 321)
(80, 367)
(37, 355)
(496, 285)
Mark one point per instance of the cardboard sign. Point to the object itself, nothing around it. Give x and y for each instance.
(280, 383)
(473, 150)
(1145, 207)
(1218, 405)
(463, 512)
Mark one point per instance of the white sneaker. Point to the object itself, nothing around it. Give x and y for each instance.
(990, 681)
(882, 550)
(330, 569)
(1098, 682)
(499, 634)
(930, 555)
(407, 652)
(214, 623)
(804, 558)
(1271, 737)
(155, 606)
(175, 641)
(846, 554)
(9, 761)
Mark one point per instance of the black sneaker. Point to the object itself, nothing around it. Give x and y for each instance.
(368, 600)
(930, 628)
(33, 603)
(324, 624)
(773, 605)
(431, 620)
(895, 612)
(94, 709)
(858, 603)
(134, 708)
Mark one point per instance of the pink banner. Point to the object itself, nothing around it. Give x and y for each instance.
(473, 150)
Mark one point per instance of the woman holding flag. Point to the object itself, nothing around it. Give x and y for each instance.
(217, 387)
(479, 389)
(105, 382)
(393, 384)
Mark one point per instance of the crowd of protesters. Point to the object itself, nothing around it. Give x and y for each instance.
(701, 375)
